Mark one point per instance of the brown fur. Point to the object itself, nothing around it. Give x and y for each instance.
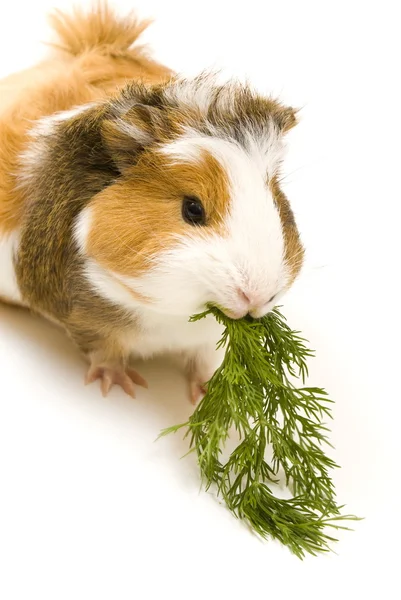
(95, 60)
(101, 32)
(91, 159)
(138, 229)
(294, 250)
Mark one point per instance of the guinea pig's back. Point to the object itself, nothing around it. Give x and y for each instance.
(94, 54)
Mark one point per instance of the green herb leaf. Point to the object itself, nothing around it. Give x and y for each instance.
(253, 392)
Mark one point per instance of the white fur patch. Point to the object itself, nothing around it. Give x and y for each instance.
(107, 286)
(32, 157)
(193, 93)
(158, 332)
(174, 334)
(266, 151)
(249, 259)
(81, 228)
(154, 333)
(202, 91)
(8, 281)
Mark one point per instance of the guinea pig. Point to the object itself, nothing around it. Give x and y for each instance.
(132, 198)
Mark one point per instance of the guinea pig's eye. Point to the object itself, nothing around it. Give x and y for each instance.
(193, 211)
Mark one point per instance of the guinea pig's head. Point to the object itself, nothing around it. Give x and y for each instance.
(195, 215)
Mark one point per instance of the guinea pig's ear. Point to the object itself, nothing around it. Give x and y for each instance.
(127, 135)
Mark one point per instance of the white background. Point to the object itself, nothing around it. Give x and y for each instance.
(90, 505)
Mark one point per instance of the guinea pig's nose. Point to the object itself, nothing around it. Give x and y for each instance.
(248, 303)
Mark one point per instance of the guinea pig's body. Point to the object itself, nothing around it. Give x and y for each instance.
(130, 199)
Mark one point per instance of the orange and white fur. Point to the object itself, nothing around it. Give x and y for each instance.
(131, 198)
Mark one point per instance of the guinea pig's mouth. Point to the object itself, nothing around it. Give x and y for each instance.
(235, 314)
(229, 312)
(245, 309)
(237, 305)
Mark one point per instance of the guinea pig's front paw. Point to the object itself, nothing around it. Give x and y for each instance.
(196, 390)
(109, 375)
(199, 368)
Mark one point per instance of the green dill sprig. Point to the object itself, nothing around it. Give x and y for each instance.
(253, 392)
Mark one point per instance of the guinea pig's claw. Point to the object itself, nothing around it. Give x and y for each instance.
(111, 375)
